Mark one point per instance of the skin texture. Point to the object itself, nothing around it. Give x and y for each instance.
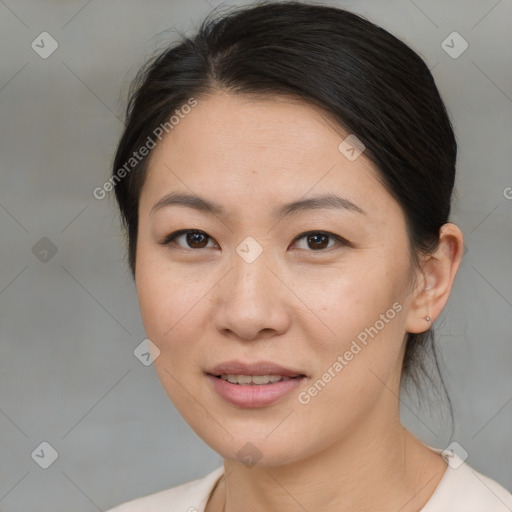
(295, 305)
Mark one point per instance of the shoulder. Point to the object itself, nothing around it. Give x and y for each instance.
(188, 497)
(463, 489)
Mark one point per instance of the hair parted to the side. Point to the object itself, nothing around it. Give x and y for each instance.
(371, 83)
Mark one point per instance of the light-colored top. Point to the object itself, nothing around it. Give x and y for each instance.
(461, 489)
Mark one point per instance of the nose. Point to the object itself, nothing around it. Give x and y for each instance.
(251, 302)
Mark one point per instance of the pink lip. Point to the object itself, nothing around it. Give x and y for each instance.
(252, 395)
(258, 368)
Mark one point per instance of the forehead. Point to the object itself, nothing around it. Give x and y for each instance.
(242, 122)
(238, 148)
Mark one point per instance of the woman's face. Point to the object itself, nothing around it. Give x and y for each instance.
(252, 288)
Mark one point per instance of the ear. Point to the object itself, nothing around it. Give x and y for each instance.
(435, 279)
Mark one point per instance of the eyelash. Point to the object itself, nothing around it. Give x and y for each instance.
(170, 238)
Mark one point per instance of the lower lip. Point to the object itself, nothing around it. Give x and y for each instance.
(253, 395)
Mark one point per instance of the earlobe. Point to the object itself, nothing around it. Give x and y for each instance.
(419, 318)
(438, 272)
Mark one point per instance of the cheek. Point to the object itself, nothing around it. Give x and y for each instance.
(349, 299)
(361, 313)
(176, 310)
(172, 309)
(170, 301)
(352, 365)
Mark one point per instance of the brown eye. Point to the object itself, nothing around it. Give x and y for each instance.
(196, 240)
(193, 239)
(319, 240)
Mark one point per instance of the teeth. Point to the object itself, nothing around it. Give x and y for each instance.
(253, 379)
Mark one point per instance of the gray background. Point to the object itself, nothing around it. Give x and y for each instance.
(69, 325)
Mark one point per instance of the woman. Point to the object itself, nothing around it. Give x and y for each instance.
(285, 179)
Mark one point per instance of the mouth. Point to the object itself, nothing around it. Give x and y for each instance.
(244, 392)
(254, 380)
(250, 385)
(257, 373)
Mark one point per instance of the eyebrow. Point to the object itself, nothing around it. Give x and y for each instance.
(324, 201)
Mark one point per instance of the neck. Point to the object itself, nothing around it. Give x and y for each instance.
(377, 467)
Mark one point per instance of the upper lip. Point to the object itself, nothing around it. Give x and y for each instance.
(257, 368)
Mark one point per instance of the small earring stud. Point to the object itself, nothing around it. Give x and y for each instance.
(427, 318)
